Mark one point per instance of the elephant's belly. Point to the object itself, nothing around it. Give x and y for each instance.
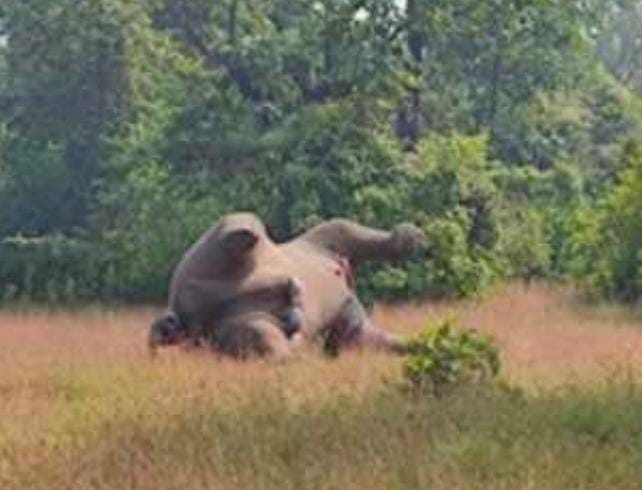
(325, 287)
(323, 281)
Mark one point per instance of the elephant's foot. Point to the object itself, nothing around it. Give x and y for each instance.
(344, 337)
(166, 330)
(407, 239)
(353, 329)
(379, 339)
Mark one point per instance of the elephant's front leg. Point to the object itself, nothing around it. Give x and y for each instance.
(208, 302)
(360, 243)
(292, 316)
(352, 329)
(252, 335)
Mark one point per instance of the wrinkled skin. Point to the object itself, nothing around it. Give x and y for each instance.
(238, 291)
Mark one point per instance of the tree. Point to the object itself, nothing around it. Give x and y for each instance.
(65, 90)
(619, 44)
(124, 120)
(608, 244)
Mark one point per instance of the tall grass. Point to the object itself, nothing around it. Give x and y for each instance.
(473, 439)
(81, 407)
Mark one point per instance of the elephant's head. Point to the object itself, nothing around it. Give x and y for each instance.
(164, 331)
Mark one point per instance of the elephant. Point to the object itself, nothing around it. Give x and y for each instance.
(240, 292)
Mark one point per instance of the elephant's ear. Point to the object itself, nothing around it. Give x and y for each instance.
(240, 241)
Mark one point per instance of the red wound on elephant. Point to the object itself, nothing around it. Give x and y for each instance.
(344, 269)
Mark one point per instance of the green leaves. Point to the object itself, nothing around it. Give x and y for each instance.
(443, 357)
(485, 122)
(607, 243)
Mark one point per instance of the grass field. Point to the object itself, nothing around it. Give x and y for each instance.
(82, 407)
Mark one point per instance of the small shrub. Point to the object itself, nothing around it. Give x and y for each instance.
(443, 357)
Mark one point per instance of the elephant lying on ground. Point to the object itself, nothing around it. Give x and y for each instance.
(247, 295)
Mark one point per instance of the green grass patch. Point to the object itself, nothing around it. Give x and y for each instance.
(474, 437)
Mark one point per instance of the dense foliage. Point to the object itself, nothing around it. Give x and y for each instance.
(443, 357)
(608, 247)
(506, 129)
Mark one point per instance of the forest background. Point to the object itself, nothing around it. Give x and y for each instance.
(510, 130)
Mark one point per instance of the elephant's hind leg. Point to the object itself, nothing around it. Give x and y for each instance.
(360, 243)
(353, 329)
(252, 335)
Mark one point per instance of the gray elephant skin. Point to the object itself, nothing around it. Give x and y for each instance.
(244, 295)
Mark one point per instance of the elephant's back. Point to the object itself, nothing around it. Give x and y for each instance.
(192, 264)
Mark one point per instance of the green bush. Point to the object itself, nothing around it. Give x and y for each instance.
(607, 247)
(146, 225)
(443, 357)
(525, 249)
(52, 268)
(445, 188)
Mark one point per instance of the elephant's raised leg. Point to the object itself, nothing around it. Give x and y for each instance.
(252, 335)
(360, 243)
(352, 329)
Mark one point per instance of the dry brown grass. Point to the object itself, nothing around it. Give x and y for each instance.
(545, 333)
(77, 388)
